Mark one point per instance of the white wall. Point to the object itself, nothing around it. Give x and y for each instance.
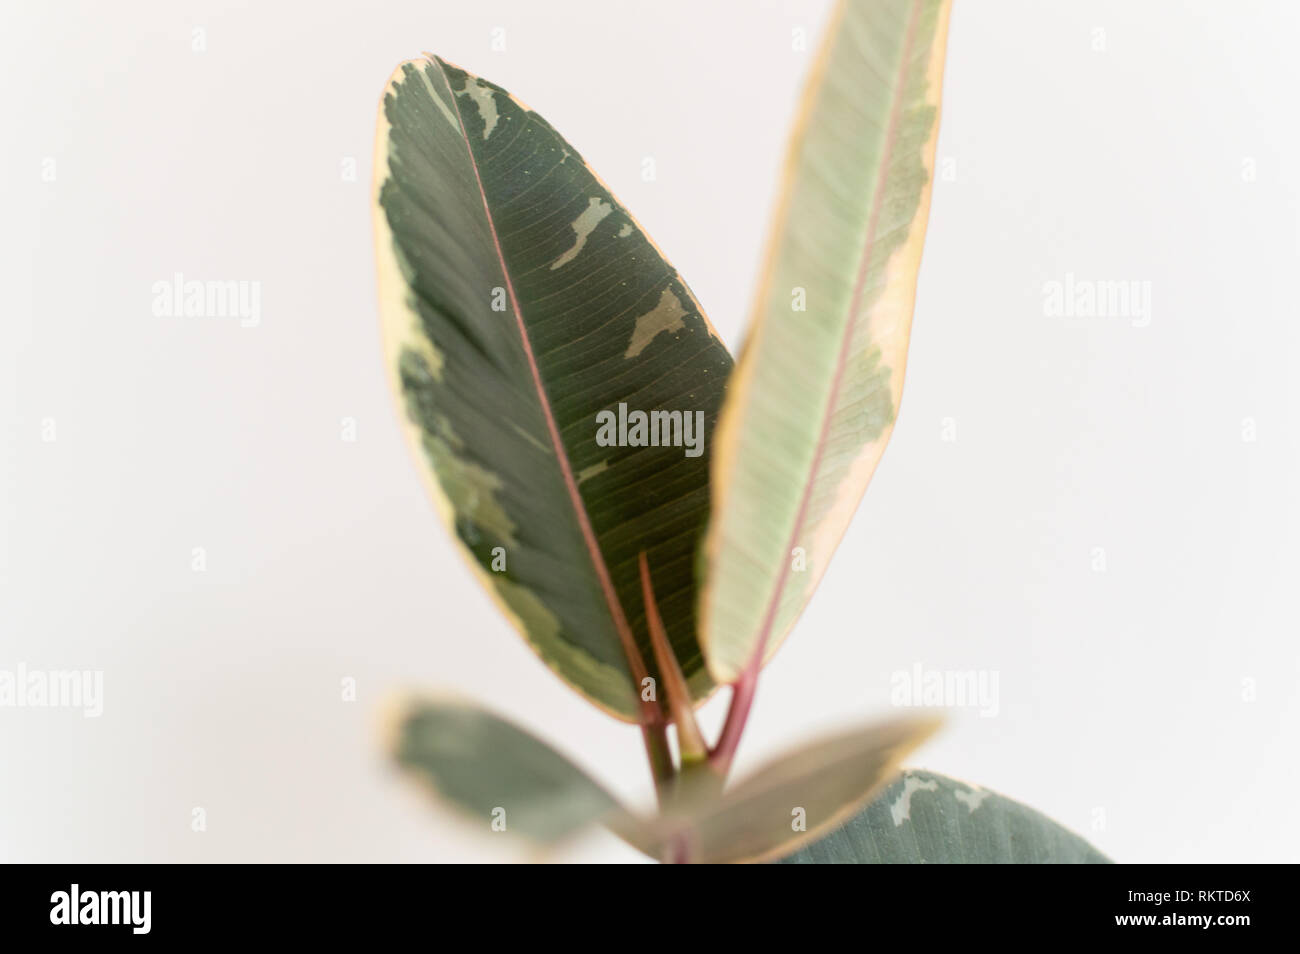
(1120, 691)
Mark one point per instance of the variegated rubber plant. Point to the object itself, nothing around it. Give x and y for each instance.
(650, 520)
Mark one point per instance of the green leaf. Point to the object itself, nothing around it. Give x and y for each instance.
(816, 391)
(519, 301)
(927, 818)
(817, 787)
(491, 769)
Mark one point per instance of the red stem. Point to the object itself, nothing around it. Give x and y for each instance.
(742, 698)
(655, 736)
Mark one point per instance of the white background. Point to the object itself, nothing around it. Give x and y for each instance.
(1122, 709)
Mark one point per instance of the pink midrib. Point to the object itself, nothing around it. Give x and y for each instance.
(769, 617)
(635, 663)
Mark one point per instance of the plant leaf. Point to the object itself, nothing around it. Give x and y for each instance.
(924, 818)
(483, 764)
(815, 393)
(754, 821)
(520, 299)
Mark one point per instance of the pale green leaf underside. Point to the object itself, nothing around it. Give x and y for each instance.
(817, 787)
(494, 771)
(519, 300)
(924, 818)
(815, 394)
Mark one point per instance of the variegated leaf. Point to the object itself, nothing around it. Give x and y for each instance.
(497, 773)
(786, 803)
(817, 387)
(519, 301)
(925, 818)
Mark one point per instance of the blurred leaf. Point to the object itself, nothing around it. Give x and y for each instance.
(819, 787)
(816, 391)
(924, 818)
(485, 765)
(519, 300)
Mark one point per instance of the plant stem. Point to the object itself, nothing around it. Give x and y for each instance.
(677, 694)
(680, 851)
(742, 698)
(655, 736)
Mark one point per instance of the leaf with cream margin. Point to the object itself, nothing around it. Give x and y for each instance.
(925, 818)
(492, 770)
(815, 392)
(821, 786)
(519, 300)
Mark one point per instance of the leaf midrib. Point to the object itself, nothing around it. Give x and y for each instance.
(636, 666)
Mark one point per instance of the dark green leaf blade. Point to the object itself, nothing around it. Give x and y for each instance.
(925, 818)
(494, 771)
(519, 301)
